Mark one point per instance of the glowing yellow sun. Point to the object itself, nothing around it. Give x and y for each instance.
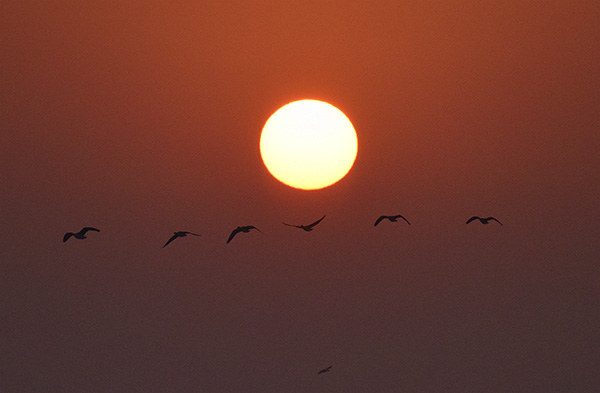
(308, 144)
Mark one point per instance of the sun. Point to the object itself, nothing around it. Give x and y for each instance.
(308, 144)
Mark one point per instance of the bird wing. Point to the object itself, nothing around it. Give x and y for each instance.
(471, 219)
(402, 217)
(316, 222)
(233, 233)
(379, 220)
(492, 218)
(324, 370)
(170, 240)
(85, 229)
(67, 236)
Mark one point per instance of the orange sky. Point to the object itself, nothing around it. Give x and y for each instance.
(144, 118)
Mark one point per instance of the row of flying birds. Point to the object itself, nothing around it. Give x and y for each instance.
(247, 228)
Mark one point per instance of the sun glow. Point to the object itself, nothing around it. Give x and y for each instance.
(308, 144)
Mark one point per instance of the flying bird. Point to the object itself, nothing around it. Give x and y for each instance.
(391, 218)
(80, 234)
(324, 370)
(307, 228)
(483, 220)
(245, 229)
(179, 234)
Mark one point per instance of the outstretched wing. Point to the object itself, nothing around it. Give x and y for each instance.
(379, 220)
(316, 222)
(233, 233)
(67, 236)
(492, 218)
(471, 219)
(324, 370)
(402, 217)
(170, 240)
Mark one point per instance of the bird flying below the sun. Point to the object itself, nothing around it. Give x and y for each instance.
(326, 369)
(308, 227)
(391, 218)
(244, 229)
(79, 235)
(179, 234)
(483, 220)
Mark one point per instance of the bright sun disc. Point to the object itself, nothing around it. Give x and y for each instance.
(308, 144)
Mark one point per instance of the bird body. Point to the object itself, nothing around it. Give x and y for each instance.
(179, 234)
(79, 235)
(326, 369)
(483, 220)
(308, 227)
(391, 218)
(244, 229)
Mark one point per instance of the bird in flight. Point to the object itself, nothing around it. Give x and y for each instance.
(391, 218)
(245, 229)
(326, 369)
(308, 227)
(483, 220)
(80, 234)
(179, 234)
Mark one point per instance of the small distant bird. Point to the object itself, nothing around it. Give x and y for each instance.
(483, 220)
(245, 229)
(324, 370)
(307, 228)
(391, 218)
(80, 234)
(179, 234)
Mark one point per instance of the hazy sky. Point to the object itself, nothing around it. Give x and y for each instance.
(143, 117)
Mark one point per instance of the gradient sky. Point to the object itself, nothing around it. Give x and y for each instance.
(143, 117)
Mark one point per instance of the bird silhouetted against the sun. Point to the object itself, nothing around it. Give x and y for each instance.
(483, 220)
(308, 227)
(179, 234)
(244, 229)
(79, 235)
(391, 218)
(326, 369)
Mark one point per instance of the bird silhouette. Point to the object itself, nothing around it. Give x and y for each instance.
(308, 227)
(179, 234)
(237, 230)
(483, 220)
(391, 218)
(326, 369)
(80, 234)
